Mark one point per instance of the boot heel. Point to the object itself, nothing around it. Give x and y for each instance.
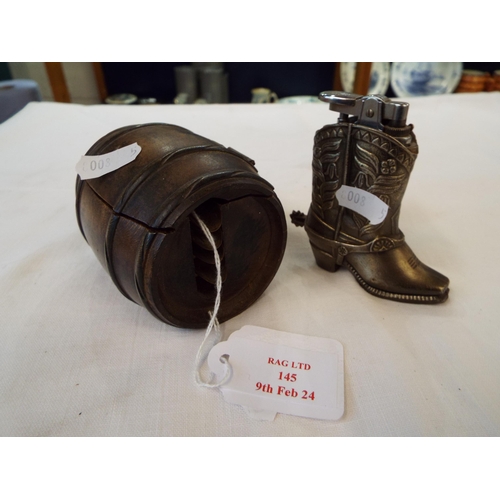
(325, 260)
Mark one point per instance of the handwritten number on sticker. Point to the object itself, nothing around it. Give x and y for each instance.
(364, 203)
(356, 198)
(91, 167)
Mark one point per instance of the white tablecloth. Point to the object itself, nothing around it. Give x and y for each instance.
(78, 359)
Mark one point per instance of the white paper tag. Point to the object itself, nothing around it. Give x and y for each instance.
(364, 203)
(282, 372)
(91, 167)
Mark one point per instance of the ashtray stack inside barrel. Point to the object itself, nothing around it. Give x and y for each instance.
(139, 222)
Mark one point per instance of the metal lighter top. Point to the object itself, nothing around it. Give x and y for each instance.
(374, 111)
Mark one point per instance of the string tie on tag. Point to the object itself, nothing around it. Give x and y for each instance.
(213, 333)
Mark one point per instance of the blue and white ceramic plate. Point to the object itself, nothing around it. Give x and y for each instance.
(379, 77)
(425, 78)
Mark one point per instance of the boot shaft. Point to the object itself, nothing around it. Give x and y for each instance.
(376, 161)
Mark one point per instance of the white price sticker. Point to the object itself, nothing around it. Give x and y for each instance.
(364, 203)
(282, 372)
(91, 167)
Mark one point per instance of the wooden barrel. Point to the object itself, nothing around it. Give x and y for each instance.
(138, 221)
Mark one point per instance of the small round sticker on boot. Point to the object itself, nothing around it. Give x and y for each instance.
(364, 203)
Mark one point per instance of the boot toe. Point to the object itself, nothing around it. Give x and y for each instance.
(397, 274)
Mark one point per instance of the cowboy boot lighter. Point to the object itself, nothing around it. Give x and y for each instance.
(364, 159)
